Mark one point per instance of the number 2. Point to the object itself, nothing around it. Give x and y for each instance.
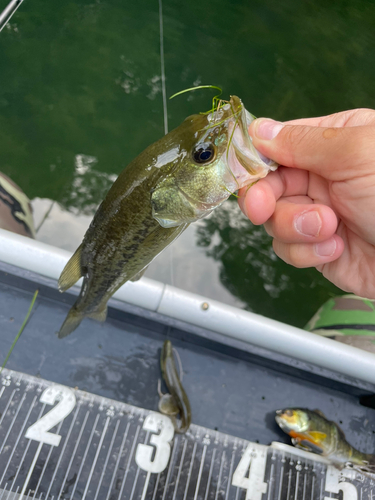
(39, 430)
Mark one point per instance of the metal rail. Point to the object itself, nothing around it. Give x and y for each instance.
(8, 12)
(229, 321)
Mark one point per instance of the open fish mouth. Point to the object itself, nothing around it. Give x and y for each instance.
(247, 164)
(282, 424)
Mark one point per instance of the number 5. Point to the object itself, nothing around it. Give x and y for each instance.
(349, 491)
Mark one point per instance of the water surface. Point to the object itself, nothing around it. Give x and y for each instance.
(80, 97)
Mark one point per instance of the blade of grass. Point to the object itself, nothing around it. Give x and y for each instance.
(196, 88)
(21, 330)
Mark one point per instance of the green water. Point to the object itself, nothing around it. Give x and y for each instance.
(83, 78)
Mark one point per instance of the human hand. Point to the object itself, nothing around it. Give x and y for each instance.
(320, 206)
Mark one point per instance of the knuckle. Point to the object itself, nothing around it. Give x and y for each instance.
(292, 254)
(365, 144)
(297, 138)
(358, 145)
(268, 228)
(297, 256)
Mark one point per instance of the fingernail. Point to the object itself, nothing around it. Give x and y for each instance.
(308, 223)
(267, 129)
(326, 248)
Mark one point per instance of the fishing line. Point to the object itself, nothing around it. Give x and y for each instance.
(165, 109)
(44, 217)
(162, 67)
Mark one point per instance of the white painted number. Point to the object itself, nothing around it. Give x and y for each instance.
(39, 430)
(349, 491)
(155, 422)
(253, 460)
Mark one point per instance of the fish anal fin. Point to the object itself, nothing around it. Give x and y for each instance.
(71, 272)
(99, 315)
(71, 322)
(299, 444)
(75, 317)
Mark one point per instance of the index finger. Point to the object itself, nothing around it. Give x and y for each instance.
(351, 118)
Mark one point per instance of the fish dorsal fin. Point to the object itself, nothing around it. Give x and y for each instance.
(71, 272)
(320, 413)
(317, 435)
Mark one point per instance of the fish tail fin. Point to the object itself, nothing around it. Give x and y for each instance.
(71, 272)
(71, 322)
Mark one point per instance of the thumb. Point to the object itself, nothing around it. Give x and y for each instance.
(334, 153)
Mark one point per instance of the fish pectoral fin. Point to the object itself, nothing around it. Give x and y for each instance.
(317, 435)
(139, 275)
(171, 207)
(71, 272)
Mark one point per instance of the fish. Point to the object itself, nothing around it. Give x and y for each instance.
(174, 182)
(176, 402)
(311, 431)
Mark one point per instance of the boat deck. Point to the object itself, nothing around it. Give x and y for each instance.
(105, 428)
(233, 387)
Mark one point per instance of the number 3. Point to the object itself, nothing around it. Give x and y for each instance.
(155, 422)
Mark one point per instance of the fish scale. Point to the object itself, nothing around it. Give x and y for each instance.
(174, 182)
(99, 448)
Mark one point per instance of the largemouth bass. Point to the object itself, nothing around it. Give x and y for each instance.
(311, 431)
(174, 182)
(176, 402)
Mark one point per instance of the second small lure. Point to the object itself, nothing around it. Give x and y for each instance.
(176, 402)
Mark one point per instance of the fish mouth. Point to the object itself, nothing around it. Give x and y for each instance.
(247, 163)
(281, 423)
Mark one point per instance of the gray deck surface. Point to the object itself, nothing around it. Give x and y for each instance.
(233, 391)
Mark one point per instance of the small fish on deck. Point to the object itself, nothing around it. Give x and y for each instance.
(176, 401)
(179, 179)
(312, 431)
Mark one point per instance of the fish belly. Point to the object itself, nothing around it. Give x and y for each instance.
(109, 266)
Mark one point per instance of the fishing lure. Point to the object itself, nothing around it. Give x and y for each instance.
(176, 402)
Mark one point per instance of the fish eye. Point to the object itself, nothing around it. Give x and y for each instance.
(204, 153)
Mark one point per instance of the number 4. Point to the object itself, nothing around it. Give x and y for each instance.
(254, 458)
